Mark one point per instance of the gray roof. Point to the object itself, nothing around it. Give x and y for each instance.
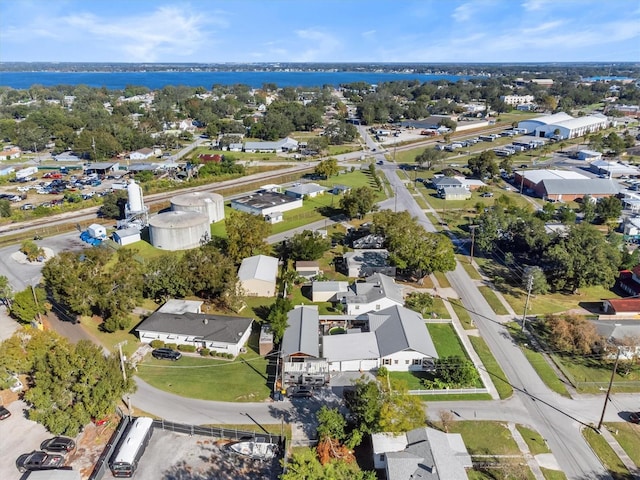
(430, 454)
(217, 328)
(127, 232)
(329, 286)
(617, 329)
(301, 335)
(305, 189)
(180, 306)
(263, 200)
(403, 329)
(282, 143)
(446, 182)
(101, 165)
(391, 330)
(367, 258)
(375, 287)
(591, 186)
(259, 267)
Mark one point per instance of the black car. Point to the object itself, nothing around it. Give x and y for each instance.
(634, 417)
(39, 461)
(58, 444)
(166, 354)
(4, 413)
(301, 392)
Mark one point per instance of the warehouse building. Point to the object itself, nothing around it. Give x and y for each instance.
(564, 185)
(562, 126)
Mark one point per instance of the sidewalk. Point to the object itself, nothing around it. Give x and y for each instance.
(624, 458)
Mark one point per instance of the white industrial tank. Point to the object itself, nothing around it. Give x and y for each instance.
(134, 194)
(178, 230)
(209, 204)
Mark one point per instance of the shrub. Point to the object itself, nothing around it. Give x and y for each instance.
(204, 352)
(213, 353)
(228, 355)
(157, 343)
(172, 346)
(187, 348)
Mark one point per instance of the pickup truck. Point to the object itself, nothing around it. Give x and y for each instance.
(39, 461)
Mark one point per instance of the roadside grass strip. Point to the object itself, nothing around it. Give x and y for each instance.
(605, 453)
(493, 300)
(503, 387)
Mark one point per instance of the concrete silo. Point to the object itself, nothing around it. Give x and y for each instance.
(179, 230)
(209, 204)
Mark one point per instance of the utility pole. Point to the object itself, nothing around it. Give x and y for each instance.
(124, 372)
(526, 304)
(606, 398)
(473, 240)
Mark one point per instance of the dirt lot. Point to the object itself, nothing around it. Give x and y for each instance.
(174, 456)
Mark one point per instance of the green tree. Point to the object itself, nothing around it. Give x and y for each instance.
(327, 168)
(308, 245)
(166, 276)
(358, 202)
(588, 209)
(304, 464)
(456, 372)
(331, 424)
(430, 157)
(113, 204)
(5, 208)
(278, 317)
(28, 304)
(419, 302)
(539, 285)
(484, 165)
(400, 412)
(6, 291)
(31, 250)
(246, 235)
(211, 274)
(365, 403)
(608, 208)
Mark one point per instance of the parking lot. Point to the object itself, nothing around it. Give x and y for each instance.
(173, 456)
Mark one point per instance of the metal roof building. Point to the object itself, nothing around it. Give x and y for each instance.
(567, 190)
(257, 276)
(301, 336)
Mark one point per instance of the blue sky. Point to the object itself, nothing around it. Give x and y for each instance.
(320, 30)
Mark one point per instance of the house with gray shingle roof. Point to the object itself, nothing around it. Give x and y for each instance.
(423, 453)
(377, 292)
(183, 324)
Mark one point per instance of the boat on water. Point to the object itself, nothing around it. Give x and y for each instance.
(256, 449)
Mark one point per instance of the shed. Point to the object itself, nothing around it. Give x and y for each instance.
(96, 230)
(307, 269)
(257, 276)
(126, 236)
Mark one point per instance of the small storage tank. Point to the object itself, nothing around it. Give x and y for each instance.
(134, 196)
(210, 204)
(177, 230)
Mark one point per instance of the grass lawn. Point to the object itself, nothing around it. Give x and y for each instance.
(110, 340)
(442, 279)
(241, 380)
(475, 435)
(498, 377)
(534, 440)
(555, 302)
(605, 453)
(462, 313)
(470, 269)
(628, 436)
(439, 309)
(446, 341)
(298, 297)
(553, 474)
(493, 300)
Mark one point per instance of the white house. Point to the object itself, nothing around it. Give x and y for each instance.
(514, 100)
(142, 154)
(305, 190)
(423, 453)
(257, 276)
(328, 291)
(395, 338)
(10, 153)
(183, 326)
(377, 293)
(284, 145)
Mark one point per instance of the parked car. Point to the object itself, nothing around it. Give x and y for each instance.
(634, 417)
(487, 194)
(4, 413)
(39, 461)
(166, 354)
(301, 392)
(58, 444)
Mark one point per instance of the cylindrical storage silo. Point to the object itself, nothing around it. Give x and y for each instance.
(134, 197)
(177, 230)
(209, 204)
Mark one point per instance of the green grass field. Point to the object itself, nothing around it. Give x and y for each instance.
(493, 300)
(534, 440)
(446, 340)
(499, 379)
(605, 453)
(628, 436)
(475, 435)
(243, 379)
(462, 313)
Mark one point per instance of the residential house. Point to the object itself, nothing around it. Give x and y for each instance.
(257, 276)
(629, 280)
(329, 291)
(369, 241)
(142, 154)
(377, 292)
(423, 453)
(178, 323)
(300, 349)
(10, 153)
(305, 190)
(624, 334)
(67, 157)
(631, 229)
(394, 337)
(454, 193)
(446, 182)
(363, 263)
(621, 307)
(307, 269)
(284, 145)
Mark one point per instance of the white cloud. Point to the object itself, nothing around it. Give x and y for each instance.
(543, 27)
(368, 33)
(463, 12)
(323, 45)
(534, 5)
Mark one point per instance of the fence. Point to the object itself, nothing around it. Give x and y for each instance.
(449, 391)
(102, 464)
(217, 432)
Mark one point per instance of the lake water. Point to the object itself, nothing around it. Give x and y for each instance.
(157, 80)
